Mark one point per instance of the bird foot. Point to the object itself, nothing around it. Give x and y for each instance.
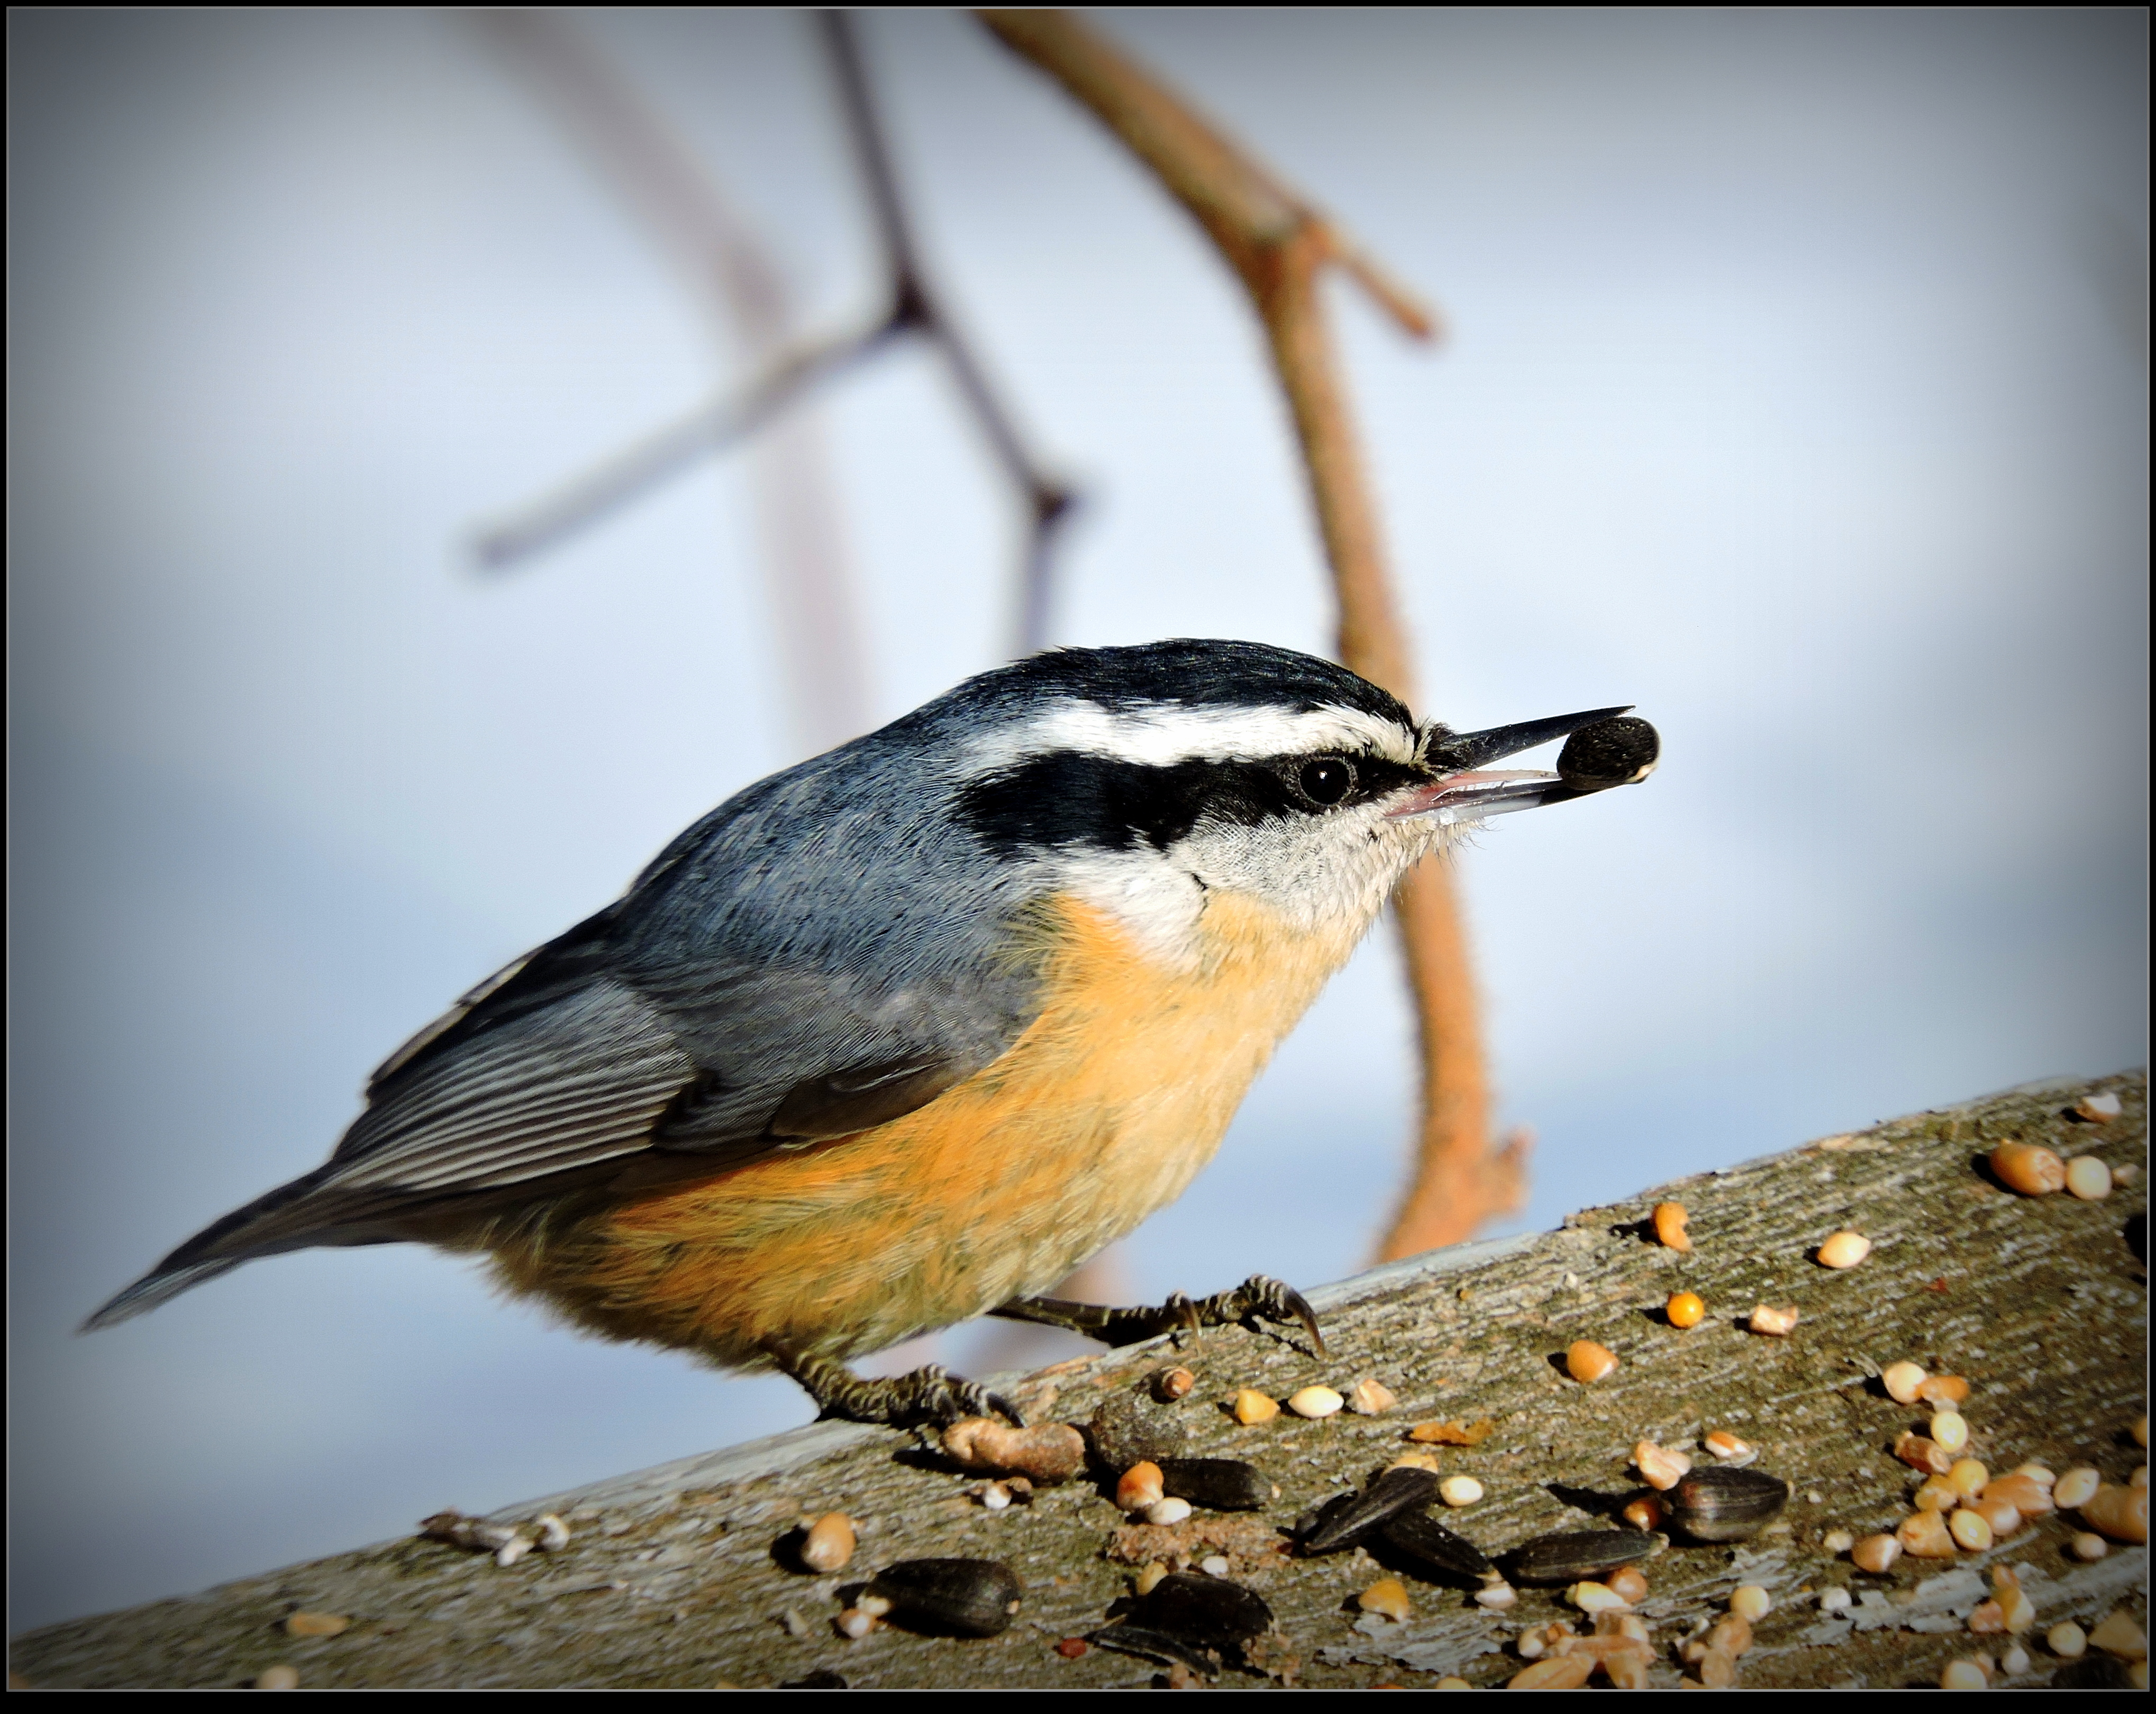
(1260, 1298)
(929, 1395)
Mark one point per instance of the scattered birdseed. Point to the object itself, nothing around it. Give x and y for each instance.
(1750, 1603)
(303, 1624)
(1453, 1433)
(1139, 1486)
(1646, 1513)
(1669, 1218)
(1969, 1530)
(2119, 1635)
(1730, 1449)
(1148, 1578)
(1252, 1406)
(1778, 1322)
(1168, 1510)
(1923, 1535)
(1172, 1384)
(1316, 1402)
(1370, 1396)
(2068, 1640)
(1876, 1553)
(1937, 1494)
(1498, 1597)
(1457, 1491)
(2073, 1489)
(1967, 1478)
(1902, 1381)
(2017, 1612)
(1074, 1648)
(827, 1544)
(1685, 1309)
(1047, 1453)
(1214, 1565)
(2002, 1515)
(1843, 1250)
(853, 1623)
(1835, 1599)
(1837, 1540)
(1596, 1597)
(1944, 1390)
(2088, 1178)
(2014, 1661)
(2089, 1545)
(2097, 1109)
(1918, 1453)
(995, 1496)
(2120, 1513)
(1388, 1597)
(1629, 1582)
(550, 1534)
(1964, 1674)
(278, 1678)
(1661, 1470)
(1560, 1672)
(2028, 1168)
(1587, 1361)
(1950, 1431)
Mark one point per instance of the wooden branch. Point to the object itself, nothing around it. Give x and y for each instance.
(680, 1577)
(1279, 246)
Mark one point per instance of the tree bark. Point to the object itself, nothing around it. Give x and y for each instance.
(679, 1576)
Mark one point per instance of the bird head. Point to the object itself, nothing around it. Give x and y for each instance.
(1147, 779)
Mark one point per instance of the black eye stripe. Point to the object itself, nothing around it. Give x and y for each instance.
(1069, 797)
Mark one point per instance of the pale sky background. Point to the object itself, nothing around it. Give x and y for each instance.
(1797, 393)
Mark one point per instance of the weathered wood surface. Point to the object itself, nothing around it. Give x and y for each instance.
(675, 1576)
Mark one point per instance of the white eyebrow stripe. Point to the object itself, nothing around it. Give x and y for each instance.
(1159, 734)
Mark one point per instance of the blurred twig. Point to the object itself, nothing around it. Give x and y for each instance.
(665, 184)
(1280, 245)
(822, 652)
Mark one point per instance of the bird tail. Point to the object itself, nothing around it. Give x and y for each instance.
(154, 1288)
(219, 1248)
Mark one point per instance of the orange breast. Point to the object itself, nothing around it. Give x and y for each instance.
(1101, 1112)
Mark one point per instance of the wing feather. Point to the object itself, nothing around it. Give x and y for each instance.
(577, 1082)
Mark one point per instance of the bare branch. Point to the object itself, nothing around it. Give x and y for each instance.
(808, 581)
(678, 199)
(638, 468)
(916, 303)
(1279, 244)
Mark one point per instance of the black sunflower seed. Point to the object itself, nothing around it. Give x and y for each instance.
(964, 1598)
(1218, 1484)
(1424, 1539)
(1210, 1612)
(1343, 1521)
(1575, 1555)
(1725, 1504)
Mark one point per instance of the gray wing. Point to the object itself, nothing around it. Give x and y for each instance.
(718, 1013)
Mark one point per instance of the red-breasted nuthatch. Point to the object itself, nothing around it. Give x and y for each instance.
(905, 1034)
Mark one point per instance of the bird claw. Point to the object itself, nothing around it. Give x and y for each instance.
(930, 1396)
(1263, 1298)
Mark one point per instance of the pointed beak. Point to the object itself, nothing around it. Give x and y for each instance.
(1612, 751)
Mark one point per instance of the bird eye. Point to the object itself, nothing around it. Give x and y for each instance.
(1328, 781)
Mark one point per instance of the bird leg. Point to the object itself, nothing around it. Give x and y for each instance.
(930, 1394)
(1257, 1299)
